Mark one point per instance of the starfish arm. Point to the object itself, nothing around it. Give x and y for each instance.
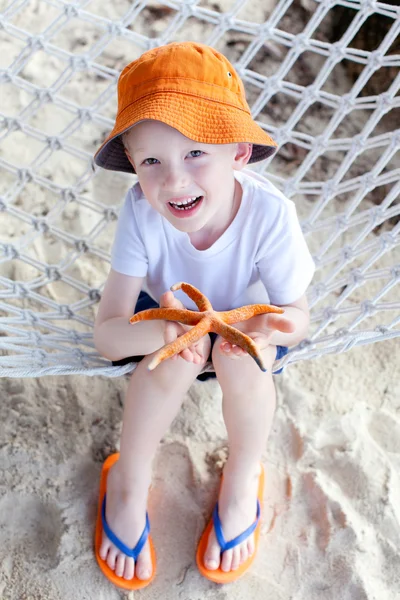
(194, 294)
(182, 342)
(247, 312)
(188, 317)
(234, 336)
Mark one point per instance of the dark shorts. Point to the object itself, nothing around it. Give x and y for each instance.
(144, 302)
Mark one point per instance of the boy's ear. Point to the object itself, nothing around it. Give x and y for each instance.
(242, 156)
(129, 157)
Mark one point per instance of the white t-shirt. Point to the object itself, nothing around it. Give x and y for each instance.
(262, 257)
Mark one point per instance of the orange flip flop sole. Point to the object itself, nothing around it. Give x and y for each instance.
(217, 575)
(126, 584)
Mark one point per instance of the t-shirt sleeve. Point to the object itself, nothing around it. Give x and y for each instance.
(285, 264)
(128, 254)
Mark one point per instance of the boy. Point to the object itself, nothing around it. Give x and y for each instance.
(184, 127)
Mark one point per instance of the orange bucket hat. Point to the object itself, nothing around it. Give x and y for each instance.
(190, 87)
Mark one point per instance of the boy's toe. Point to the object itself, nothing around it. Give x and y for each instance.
(226, 562)
(211, 564)
(211, 561)
(235, 559)
(120, 565)
(104, 551)
(143, 567)
(129, 570)
(250, 546)
(244, 553)
(105, 546)
(112, 557)
(212, 555)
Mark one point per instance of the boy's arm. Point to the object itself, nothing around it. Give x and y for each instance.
(114, 336)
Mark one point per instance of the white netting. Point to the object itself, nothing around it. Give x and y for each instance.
(321, 77)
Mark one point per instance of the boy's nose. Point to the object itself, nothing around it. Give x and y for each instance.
(175, 179)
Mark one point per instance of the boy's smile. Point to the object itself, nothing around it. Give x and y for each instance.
(189, 183)
(185, 206)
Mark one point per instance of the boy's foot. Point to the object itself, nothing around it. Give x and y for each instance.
(126, 516)
(237, 506)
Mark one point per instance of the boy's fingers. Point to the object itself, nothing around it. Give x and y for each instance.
(232, 351)
(226, 348)
(238, 351)
(170, 333)
(167, 300)
(187, 355)
(280, 323)
(229, 347)
(198, 358)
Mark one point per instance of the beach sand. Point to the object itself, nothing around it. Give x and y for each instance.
(332, 500)
(331, 514)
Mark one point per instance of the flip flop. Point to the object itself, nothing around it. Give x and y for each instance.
(218, 575)
(101, 523)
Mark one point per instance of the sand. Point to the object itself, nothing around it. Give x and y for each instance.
(331, 514)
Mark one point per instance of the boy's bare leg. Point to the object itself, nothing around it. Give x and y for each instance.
(248, 409)
(153, 399)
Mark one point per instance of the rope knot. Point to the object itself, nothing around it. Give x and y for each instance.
(79, 63)
(114, 28)
(65, 311)
(68, 195)
(347, 253)
(367, 308)
(20, 290)
(357, 276)
(85, 114)
(71, 11)
(24, 175)
(395, 271)
(110, 214)
(94, 295)
(36, 43)
(10, 251)
(40, 225)
(54, 143)
(53, 273)
(81, 246)
(44, 96)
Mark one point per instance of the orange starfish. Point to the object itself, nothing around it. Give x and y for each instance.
(205, 321)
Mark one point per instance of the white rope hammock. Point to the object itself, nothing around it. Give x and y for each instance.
(337, 160)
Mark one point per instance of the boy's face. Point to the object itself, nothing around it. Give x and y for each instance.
(189, 183)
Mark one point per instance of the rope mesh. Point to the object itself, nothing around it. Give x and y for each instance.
(321, 77)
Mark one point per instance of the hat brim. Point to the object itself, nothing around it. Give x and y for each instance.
(201, 120)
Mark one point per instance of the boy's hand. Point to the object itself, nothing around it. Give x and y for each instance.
(172, 330)
(260, 329)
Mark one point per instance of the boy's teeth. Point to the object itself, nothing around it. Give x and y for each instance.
(184, 202)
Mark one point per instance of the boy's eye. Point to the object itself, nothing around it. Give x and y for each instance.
(150, 161)
(195, 153)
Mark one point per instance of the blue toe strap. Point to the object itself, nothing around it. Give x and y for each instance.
(133, 553)
(237, 540)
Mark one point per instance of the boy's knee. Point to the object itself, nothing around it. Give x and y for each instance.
(242, 373)
(179, 372)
